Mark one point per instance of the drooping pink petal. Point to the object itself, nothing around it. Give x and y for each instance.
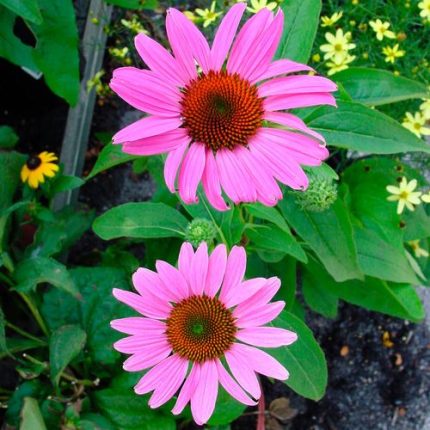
(282, 67)
(225, 35)
(159, 144)
(243, 291)
(249, 34)
(173, 280)
(259, 361)
(172, 380)
(274, 103)
(138, 325)
(146, 127)
(243, 372)
(141, 343)
(269, 337)
(211, 183)
(259, 315)
(232, 387)
(292, 121)
(180, 43)
(204, 397)
(199, 269)
(187, 389)
(148, 283)
(302, 84)
(147, 357)
(172, 163)
(158, 59)
(149, 307)
(186, 255)
(191, 172)
(158, 375)
(216, 269)
(143, 90)
(234, 178)
(235, 270)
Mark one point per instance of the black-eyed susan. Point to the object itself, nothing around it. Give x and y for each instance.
(38, 167)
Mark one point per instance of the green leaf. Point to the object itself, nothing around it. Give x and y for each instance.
(398, 300)
(304, 359)
(31, 417)
(301, 19)
(329, 234)
(93, 312)
(359, 128)
(227, 409)
(318, 298)
(65, 183)
(56, 52)
(8, 137)
(134, 4)
(91, 421)
(26, 9)
(377, 87)
(286, 270)
(3, 346)
(271, 238)
(111, 155)
(269, 214)
(64, 345)
(11, 47)
(17, 344)
(140, 220)
(128, 411)
(33, 271)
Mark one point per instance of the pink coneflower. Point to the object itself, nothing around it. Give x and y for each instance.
(215, 120)
(194, 318)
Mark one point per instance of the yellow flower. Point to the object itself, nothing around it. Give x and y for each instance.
(381, 29)
(338, 46)
(355, 2)
(338, 66)
(37, 167)
(425, 9)
(391, 53)
(192, 16)
(119, 53)
(257, 5)
(316, 58)
(418, 251)
(329, 21)
(134, 25)
(416, 124)
(405, 195)
(208, 15)
(425, 108)
(426, 197)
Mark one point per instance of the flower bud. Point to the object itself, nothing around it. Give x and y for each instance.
(200, 230)
(319, 196)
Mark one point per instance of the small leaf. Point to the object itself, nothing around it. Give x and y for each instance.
(304, 359)
(31, 417)
(64, 345)
(8, 137)
(375, 87)
(140, 220)
(300, 27)
(269, 214)
(33, 271)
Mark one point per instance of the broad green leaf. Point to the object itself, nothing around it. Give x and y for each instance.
(304, 359)
(26, 9)
(56, 53)
(134, 4)
(65, 183)
(11, 46)
(33, 271)
(31, 417)
(140, 220)
(375, 87)
(227, 409)
(8, 137)
(3, 347)
(417, 224)
(398, 300)
(359, 128)
(319, 298)
(329, 234)
(64, 345)
(286, 270)
(111, 155)
(269, 214)
(301, 19)
(126, 410)
(93, 312)
(270, 238)
(91, 421)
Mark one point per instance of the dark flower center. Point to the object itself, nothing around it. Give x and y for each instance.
(33, 162)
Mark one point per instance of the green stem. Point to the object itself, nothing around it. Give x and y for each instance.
(24, 333)
(6, 279)
(35, 312)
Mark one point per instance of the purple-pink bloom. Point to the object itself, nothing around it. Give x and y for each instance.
(217, 111)
(192, 317)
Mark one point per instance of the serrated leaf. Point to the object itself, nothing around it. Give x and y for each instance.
(304, 359)
(375, 87)
(64, 345)
(300, 27)
(140, 220)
